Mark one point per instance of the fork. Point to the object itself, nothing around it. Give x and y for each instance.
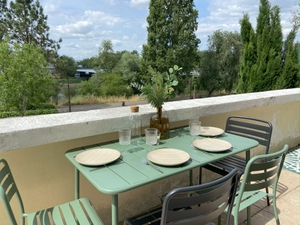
(145, 161)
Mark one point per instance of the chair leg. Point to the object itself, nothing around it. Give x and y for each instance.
(219, 220)
(249, 215)
(275, 211)
(268, 198)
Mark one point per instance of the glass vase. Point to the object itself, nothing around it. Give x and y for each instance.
(161, 122)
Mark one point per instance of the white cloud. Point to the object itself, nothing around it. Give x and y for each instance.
(78, 27)
(116, 42)
(225, 15)
(102, 18)
(83, 25)
(112, 2)
(139, 4)
(50, 8)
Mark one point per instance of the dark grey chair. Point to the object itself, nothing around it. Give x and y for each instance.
(257, 129)
(198, 204)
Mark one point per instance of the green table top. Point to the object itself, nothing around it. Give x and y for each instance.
(128, 172)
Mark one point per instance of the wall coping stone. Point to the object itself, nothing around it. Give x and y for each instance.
(29, 131)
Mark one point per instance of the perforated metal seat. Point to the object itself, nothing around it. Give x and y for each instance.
(257, 129)
(198, 204)
(77, 212)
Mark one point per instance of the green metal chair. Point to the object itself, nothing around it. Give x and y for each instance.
(261, 171)
(257, 129)
(198, 204)
(77, 212)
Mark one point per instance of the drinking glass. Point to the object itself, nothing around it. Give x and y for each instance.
(124, 137)
(151, 136)
(195, 128)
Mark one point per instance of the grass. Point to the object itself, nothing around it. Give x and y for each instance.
(91, 99)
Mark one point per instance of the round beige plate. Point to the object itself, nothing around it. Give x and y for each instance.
(97, 157)
(211, 131)
(212, 145)
(168, 156)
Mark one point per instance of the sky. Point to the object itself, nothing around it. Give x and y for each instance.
(83, 25)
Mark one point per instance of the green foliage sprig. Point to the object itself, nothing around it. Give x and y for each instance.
(161, 87)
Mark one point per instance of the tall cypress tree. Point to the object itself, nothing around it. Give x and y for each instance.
(171, 36)
(249, 56)
(263, 61)
(289, 76)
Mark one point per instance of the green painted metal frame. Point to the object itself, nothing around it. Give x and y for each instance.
(261, 171)
(77, 212)
(129, 172)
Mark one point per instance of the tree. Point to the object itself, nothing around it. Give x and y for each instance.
(227, 47)
(290, 71)
(129, 68)
(24, 78)
(88, 62)
(264, 59)
(66, 67)
(210, 80)
(25, 22)
(249, 56)
(171, 37)
(3, 8)
(113, 85)
(107, 59)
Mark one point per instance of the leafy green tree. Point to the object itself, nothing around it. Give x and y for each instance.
(227, 47)
(25, 22)
(112, 84)
(88, 87)
(66, 66)
(107, 59)
(171, 37)
(3, 8)
(210, 79)
(129, 68)
(24, 78)
(88, 62)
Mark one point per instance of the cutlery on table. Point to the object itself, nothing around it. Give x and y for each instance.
(145, 161)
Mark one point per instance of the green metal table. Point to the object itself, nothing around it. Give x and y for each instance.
(128, 172)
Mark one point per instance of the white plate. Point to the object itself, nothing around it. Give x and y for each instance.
(212, 145)
(168, 156)
(211, 131)
(97, 157)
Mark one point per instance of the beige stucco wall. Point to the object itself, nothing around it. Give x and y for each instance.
(45, 177)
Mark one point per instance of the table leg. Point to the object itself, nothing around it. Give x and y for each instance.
(114, 210)
(191, 177)
(247, 156)
(76, 183)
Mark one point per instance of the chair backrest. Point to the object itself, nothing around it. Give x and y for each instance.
(201, 204)
(8, 190)
(262, 171)
(257, 129)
